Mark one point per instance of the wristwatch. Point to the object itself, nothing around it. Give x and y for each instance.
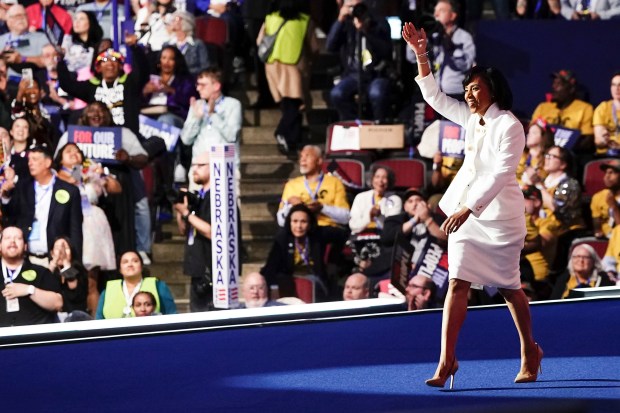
(31, 289)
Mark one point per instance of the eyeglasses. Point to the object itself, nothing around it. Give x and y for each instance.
(582, 257)
(199, 165)
(198, 84)
(108, 59)
(16, 16)
(551, 155)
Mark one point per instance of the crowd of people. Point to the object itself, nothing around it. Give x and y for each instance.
(77, 231)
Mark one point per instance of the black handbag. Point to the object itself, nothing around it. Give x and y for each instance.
(265, 48)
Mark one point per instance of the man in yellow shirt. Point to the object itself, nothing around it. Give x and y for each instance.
(325, 195)
(567, 111)
(606, 123)
(605, 204)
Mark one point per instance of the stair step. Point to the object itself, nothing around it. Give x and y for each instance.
(262, 153)
(257, 208)
(268, 168)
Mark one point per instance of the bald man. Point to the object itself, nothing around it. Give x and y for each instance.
(356, 287)
(255, 292)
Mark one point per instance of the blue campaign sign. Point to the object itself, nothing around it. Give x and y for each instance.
(98, 144)
(433, 263)
(565, 137)
(150, 127)
(451, 139)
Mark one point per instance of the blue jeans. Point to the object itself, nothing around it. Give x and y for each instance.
(143, 225)
(378, 95)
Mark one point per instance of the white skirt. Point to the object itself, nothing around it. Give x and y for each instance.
(487, 252)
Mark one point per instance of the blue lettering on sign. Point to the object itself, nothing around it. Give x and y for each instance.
(219, 279)
(218, 245)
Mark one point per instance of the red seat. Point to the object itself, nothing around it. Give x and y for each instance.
(593, 176)
(409, 172)
(599, 245)
(212, 30)
(349, 171)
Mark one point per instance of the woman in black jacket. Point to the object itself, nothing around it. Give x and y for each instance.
(298, 250)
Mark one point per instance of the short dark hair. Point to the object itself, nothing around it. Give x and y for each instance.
(497, 83)
(567, 157)
(215, 73)
(453, 5)
(147, 293)
(391, 176)
(57, 164)
(145, 270)
(44, 150)
(312, 224)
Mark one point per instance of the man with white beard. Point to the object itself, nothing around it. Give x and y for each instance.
(255, 292)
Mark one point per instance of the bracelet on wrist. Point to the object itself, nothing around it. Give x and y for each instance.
(423, 63)
(436, 166)
(428, 222)
(422, 54)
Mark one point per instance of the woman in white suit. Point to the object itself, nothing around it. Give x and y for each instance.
(484, 205)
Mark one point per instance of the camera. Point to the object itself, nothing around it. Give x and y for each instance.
(192, 199)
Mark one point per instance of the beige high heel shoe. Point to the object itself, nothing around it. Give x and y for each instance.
(528, 377)
(440, 380)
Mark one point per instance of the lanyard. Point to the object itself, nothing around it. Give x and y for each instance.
(10, 275)
(303, 251)
(314, 194)
(376, 219)
(218, 103)
(45, 189)
(100, 11)
(129, 297)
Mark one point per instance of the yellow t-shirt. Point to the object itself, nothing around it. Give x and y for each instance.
(603, 116)
(600, 211)
(529, 161)
(577, 115)
(450, 166)
(613, 248)
(331, 192)
(536, 259)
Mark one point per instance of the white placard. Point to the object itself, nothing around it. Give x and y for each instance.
(345, 138)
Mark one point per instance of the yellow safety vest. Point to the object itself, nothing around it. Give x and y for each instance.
(290, 40)
(115, 299)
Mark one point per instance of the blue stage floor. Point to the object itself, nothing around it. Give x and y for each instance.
(346, 364)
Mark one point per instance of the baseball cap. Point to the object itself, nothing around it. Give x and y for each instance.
(531, 192)
(566, 75)
(613, 164)
(414, 191)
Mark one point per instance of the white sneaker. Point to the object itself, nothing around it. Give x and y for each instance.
(145, 258)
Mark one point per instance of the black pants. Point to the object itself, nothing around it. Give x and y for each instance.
(290, 123)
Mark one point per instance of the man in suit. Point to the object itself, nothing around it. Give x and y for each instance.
(43, 206)
(31, 293)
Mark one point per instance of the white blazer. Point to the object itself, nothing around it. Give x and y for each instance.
(487, 181)
(390, 204)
